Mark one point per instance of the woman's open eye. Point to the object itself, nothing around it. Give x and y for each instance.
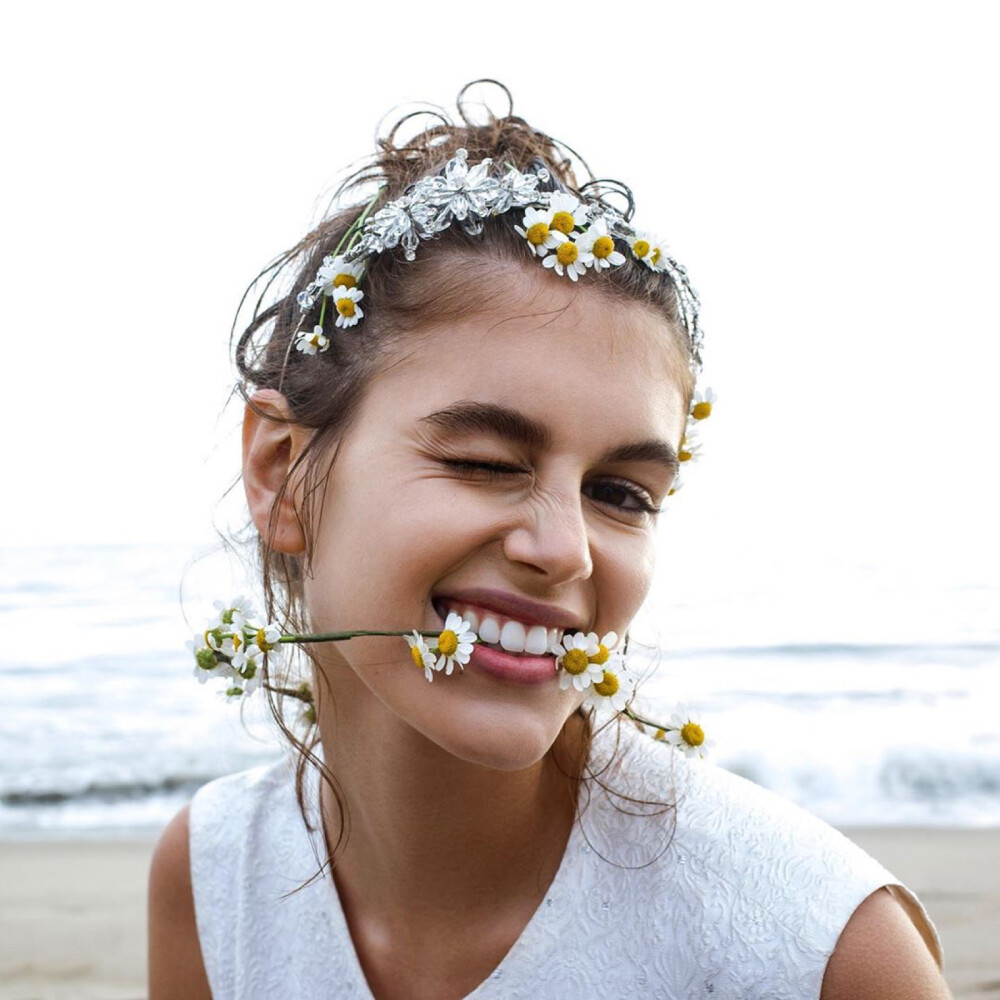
(621, 494)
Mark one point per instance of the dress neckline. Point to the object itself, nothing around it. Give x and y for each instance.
(515, 967)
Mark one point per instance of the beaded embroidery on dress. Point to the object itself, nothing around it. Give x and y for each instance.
(745, 903)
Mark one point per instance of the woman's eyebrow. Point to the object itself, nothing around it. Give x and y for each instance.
(471, 416)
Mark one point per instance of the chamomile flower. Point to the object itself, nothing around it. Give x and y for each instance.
(687, 735)
(573, 661)
(312, 343)
(421, 655)
(642, 247)
(614, 690)
(454, 644)
(701, 405)
(266, 637)
(566, 213)
(538, 231)
(346, 300)
(567, 259)
(690, 449)
(605, 647)
(336, 273)
(206, 663)
(597, 248)
(232, 616)
(657, 256)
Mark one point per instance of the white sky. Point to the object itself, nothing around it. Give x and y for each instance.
(827, 173)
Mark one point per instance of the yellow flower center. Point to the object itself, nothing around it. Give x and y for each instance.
(261, 639)
(660, 734)
(640, 248)
(692, 734)
(563, 221)
(567, 253)
(447, 642)
(683, 455)
(601, 656)
(417, 658)
(701, 410)
(608, 685)
(237, 641)
(603, 247)
(345, 307)
(348, 280)
(655, 255)
(315, 339)
(575, 661)
(538, 233)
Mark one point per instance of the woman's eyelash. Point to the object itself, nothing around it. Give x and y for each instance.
(495, 469)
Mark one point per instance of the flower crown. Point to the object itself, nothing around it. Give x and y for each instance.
(571, 234)
(235, 643)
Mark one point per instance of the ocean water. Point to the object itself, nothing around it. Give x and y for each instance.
(874, 708)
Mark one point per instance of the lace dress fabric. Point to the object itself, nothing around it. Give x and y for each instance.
(735, 894)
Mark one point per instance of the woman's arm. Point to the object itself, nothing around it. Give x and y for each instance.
(176, 969)
(880, 956)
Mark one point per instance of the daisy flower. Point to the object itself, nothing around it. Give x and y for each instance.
(567, 259)
(566, 212)
(421, 655)
(605, 647)
(537, 231)
(573, 660)
(454, 643)
(266, 637)
(597, 247)
(312, 343)
(335, 273)
(346, 300)
(206, 663)
(234, 616)
(642, 247)
(614, 690)
(701, 405)
(687, 735)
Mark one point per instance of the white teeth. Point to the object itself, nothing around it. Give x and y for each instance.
(489, 630)
(512, 637)
(537, 640)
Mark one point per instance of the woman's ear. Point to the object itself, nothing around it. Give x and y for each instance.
(271, 446)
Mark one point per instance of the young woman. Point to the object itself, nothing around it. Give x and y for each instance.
(467, 402)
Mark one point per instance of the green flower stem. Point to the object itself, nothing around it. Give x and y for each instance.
(339, 636)
(354, 229)
(646, 722)
(322, 310)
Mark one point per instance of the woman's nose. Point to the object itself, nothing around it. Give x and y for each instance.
(552, 537)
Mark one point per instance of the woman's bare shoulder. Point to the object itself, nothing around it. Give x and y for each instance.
(176, 969)
(881, 956)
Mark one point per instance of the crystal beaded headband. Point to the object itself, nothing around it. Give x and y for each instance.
(570, 234)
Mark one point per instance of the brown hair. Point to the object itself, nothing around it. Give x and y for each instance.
(324, 391)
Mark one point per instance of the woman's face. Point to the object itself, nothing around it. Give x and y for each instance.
(547, 386)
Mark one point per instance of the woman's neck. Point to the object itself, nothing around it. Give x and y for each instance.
(431, 835)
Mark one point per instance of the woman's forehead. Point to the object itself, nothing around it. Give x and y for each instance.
(587, 364)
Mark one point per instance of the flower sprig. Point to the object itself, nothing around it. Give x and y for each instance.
(235, 642)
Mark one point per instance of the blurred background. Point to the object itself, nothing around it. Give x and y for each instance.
(828, 591)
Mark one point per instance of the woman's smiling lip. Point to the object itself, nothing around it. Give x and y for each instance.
(522, 609)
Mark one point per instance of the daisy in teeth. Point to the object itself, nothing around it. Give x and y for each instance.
(454, 644)
(574, 660)
(421, 655)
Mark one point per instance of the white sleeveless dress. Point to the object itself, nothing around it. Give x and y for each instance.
(746, 902)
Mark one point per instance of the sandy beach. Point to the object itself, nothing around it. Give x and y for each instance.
(73, 913)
